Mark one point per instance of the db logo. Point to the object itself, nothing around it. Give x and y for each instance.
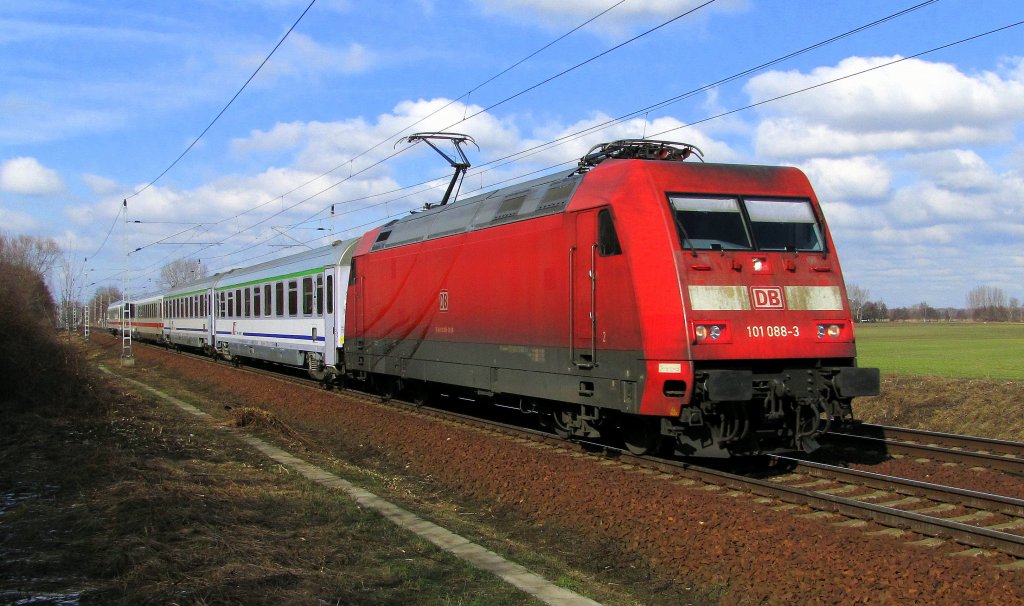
(443, 300)
(768, 298)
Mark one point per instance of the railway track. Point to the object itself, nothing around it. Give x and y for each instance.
(900, 504)
(971, 451)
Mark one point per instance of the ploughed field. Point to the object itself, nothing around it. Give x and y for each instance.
(652, 537)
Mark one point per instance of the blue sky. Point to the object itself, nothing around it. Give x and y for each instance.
(918, 163)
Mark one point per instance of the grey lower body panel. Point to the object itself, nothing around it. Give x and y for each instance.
(614, 380)
(268, 353)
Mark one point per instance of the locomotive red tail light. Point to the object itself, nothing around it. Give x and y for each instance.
(712, 332)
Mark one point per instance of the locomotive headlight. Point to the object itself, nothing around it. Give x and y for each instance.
(829, 330)
(711, 332)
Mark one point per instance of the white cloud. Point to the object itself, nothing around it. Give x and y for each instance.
(555, 13)
(846, 178)
(914, 104)
(957, 169)
(27, 176)
(14, 221)
(101, 185)
(304, 57)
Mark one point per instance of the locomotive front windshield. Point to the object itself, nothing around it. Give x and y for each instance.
(736, 223)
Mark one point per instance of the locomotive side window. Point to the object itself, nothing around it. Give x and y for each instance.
(710, 223)
(607, 238)
(784, 224)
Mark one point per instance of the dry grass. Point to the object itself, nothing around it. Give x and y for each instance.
(964, 406)
(138, 504)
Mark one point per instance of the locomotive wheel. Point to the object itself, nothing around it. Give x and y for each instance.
(420, 395)
(560, 423)
(641, 434)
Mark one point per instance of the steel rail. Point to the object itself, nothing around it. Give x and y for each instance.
(947, 494)
(937, 438)
(959, 532)
(967, 457)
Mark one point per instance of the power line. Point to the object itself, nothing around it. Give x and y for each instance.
(225, 108)
(406, 128)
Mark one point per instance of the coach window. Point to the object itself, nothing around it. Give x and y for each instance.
(279, 299)
(319, 294)
(266, 300)
(256, 307)
(330, 294)
(248, 302)
(192, 306)
(293, 298)
(307, 296)
(607, 239)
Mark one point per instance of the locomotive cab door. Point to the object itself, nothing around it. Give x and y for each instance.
(583, 291)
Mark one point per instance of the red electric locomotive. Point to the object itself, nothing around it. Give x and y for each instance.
(683, 304)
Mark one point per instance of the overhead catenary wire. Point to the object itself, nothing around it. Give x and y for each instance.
(405, 129)
(228, 104)
(215, 119)
(523, 153)
(932, 50)
(798, 91)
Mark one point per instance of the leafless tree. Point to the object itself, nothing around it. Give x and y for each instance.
(70, 275)
(858, 297)
(987, 303)
(182, 271)
(1015, 309)
(33, 252)
(104, 296)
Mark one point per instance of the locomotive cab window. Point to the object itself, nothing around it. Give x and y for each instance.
(784, 224)
(710, 223)
(607, 238)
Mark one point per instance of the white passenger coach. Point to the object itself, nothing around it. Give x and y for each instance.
(289, 311)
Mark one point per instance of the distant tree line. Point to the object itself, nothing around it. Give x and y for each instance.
(984, 304)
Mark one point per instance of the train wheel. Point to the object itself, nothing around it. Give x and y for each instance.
(561, 423)
(641, 435)
(420, 394)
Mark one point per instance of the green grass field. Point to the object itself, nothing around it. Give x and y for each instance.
(988, 351)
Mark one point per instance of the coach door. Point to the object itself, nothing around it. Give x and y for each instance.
(328, 291)
(583, 291)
